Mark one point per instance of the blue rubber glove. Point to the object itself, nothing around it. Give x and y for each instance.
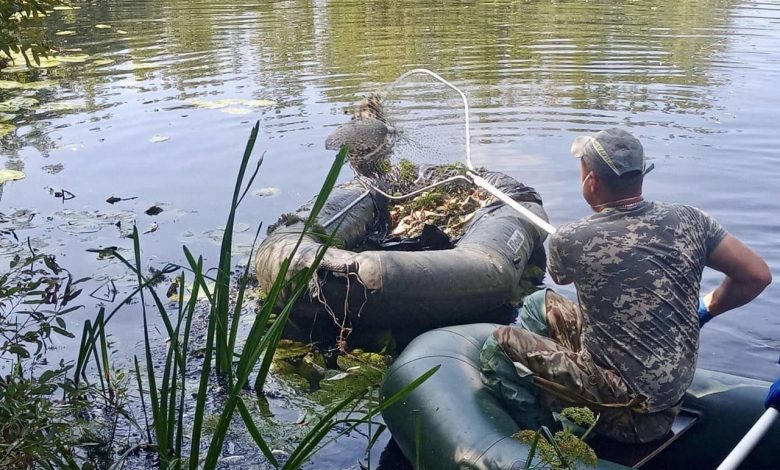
(773, 398)
(704, 313)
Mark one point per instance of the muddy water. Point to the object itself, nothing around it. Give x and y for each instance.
(154, 101)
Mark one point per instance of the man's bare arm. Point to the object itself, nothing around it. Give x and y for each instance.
(747, 275)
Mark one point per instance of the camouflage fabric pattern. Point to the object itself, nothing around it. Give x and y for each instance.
(638, 271)
(548, 344)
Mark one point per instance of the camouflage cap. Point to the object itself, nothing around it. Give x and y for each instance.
(612, 149)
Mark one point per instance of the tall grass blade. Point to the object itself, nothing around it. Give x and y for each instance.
(532, 451)
(267, 344)
(159, 418)
(143, 399)
(222, 289)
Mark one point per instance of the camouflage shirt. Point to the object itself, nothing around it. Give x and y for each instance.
(637, 271)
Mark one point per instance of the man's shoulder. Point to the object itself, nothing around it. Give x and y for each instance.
(573, 230)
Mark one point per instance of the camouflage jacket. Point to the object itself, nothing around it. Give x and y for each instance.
(637, 271)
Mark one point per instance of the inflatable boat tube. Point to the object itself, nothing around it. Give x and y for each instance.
(461, 425)
(475, 281)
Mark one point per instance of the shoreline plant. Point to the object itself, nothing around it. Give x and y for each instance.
(179, 442)
(19, 35)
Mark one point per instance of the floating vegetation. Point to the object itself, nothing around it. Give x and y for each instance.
(60, 106)
(53, 169)
(267, 192)
(143, 66)
(101, 62)
(9, 85)
(81, 222)
(73, 59)
(6, 129)
(239, 111)
(7, 117)
(15, 104)
(17, 220)
(230, 105)
(39, 85)
(71, 147)
(65, 7)
(216, 234)
(9, 175)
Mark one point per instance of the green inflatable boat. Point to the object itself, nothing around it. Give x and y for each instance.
(452, 421)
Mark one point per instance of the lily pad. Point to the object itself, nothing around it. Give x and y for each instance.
(238, 111)
(15, 69)
(9, 175)
(258, 103)
(39, 85)
(6, 129)
(15, 104)
(10, 247)
(73, 59)
(19, 220)
(215, 235)
(229, 102)
(89, 222)
(81, 226)
(103, 26)
(9, 84)
(100, 62)
(267, 192)
(142, 66)
(53, 169)
(158, 138)
(71, 147)
(65, 33)
(59, 106)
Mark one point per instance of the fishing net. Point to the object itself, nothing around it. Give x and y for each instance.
(414, 136)
(409, 136)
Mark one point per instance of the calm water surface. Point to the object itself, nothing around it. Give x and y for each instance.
(694, 80)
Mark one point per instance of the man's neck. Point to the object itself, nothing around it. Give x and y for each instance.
(618, 202)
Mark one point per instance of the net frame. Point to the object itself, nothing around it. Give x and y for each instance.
(426, 179)
(427, 182)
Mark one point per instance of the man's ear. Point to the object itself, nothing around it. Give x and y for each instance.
(594, 182)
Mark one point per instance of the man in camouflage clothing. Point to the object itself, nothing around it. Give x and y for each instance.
(628, 349)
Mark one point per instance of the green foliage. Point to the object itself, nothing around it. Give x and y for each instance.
(579, 415)
(20, 31)
(34, 297)
(161, 384)
(34, 428)
(565, 449)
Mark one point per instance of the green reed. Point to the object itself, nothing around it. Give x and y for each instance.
(165, 382)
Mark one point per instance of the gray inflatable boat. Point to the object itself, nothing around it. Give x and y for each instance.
(370, 290)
